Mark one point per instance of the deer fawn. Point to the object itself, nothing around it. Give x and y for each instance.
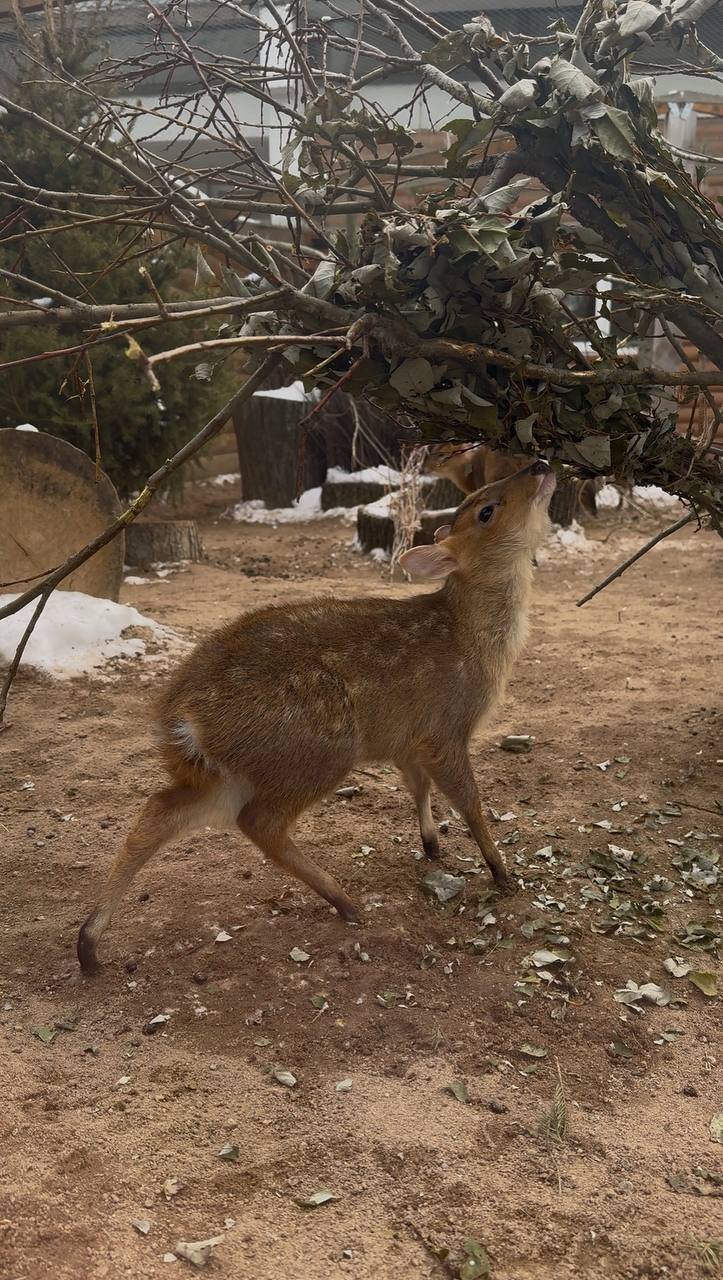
(270, 712)
(470, 467)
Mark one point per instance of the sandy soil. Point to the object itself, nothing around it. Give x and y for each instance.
(97, 1116)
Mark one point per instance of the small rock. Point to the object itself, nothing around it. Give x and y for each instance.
(518, 743)
(199, 978)
(442, 885)
(155, 1024)
(499, 1108)
(130, 966)
(197, 1252)
(141, 1225)
(689, 1091)
(283, 1077)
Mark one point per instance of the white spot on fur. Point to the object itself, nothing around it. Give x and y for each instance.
(184, 736)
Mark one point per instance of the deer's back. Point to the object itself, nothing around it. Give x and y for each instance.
(363, 678)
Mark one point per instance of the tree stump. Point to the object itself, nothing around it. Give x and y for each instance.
(151, 542)
(53, 503)
(376, 528)
(278, 457)
(564, 502)
(351, 493)
(443, 495)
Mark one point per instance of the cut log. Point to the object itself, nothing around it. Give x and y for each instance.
(53, 503)
(376, 529)
(151, 542)
(564, 504)
(442, 495)
(351, 493)
(278, 457)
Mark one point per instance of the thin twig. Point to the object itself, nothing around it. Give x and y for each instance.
(13, 668)
(665, 533)
(93, 413)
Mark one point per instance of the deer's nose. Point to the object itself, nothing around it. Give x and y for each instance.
(539, 468)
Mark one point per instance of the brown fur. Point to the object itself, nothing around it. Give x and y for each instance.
(273, 710)
(471, 467)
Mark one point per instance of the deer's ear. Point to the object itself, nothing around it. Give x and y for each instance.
(428, 562)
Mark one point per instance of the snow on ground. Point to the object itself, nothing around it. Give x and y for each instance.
(647, 495)
(652, 496)
(76, 634)
(559, 541)
(383, 506)
(307, 507)
(228, 477)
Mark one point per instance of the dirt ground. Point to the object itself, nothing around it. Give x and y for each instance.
(111, 1136)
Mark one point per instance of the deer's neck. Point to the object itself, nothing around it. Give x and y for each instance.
(490, 612)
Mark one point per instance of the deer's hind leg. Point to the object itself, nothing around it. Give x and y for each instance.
(265, 823)
(165, 816)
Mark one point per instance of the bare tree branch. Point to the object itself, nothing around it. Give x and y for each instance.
(642, 551)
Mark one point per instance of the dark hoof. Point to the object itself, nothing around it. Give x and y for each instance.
(504, 883)
(430, 844)
(87, 955)
(348, 911)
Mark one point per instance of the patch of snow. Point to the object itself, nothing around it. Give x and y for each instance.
(609, 498)
(165, 568)
(646, 495)
(382, 506)
(651, 495)
(307, 507)
(136, 582)
(381, 474)
(572, 538)
(26, 426)
(379, 555)
(571, 541)
(294, 392)
(76, 634)
(228, 477)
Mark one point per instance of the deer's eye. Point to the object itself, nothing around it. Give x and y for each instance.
(486, 514)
